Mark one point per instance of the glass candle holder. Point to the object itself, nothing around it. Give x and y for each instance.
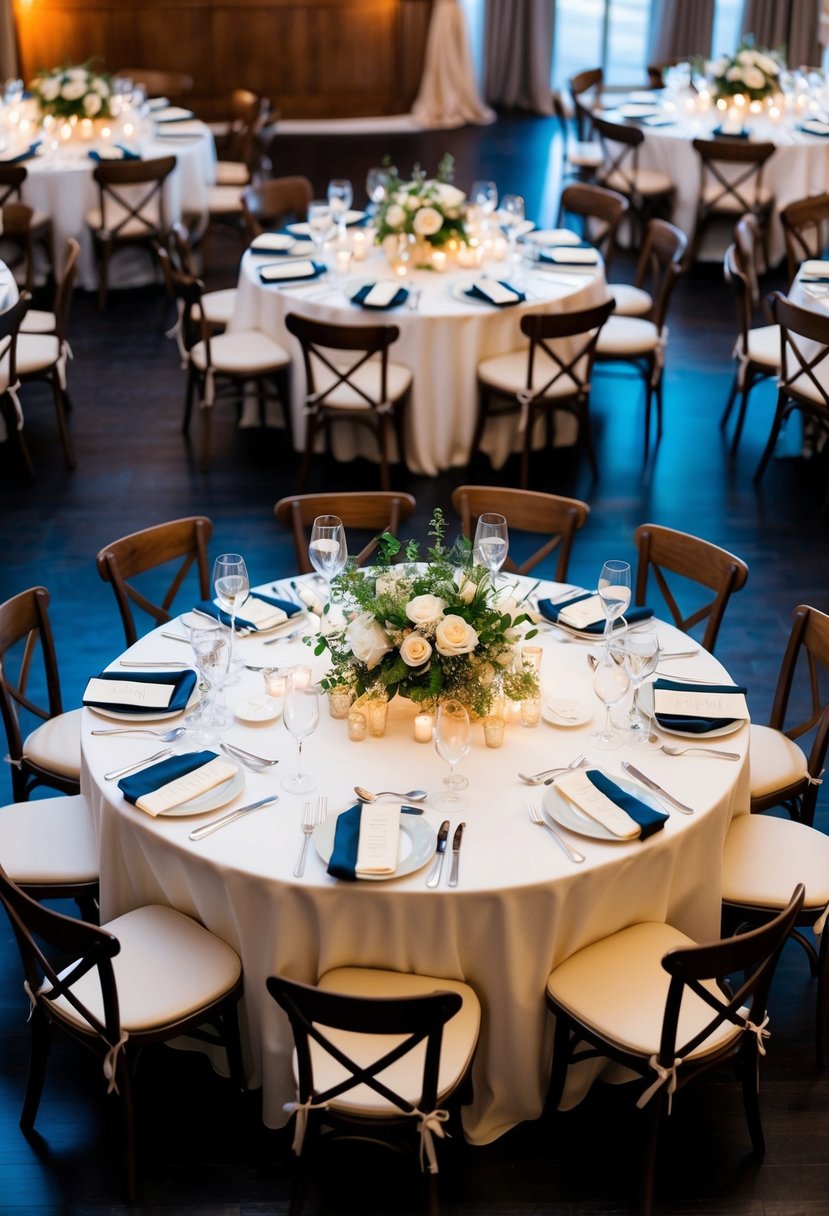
(494, 730)
(340, 701)
(423, 725)
(531, 657)
(357, 725)
(378, 713)
(274, 679)
(531, 711)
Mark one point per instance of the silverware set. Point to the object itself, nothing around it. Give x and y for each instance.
(434, 875)
(548, 775)
(312, 817)
(539, 818)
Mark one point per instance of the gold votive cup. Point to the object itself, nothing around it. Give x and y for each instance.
(531, 711)
(531, 657)
(356, 725)
(340, 701)
(378, 713)
(494, 730)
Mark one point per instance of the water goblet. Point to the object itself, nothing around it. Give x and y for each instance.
(232, 586)
(614, 592)
(340, 198)
(491, 542)
(512, 217)
(485, 196)
(640, 655)
(320, 223)
(377, 181)
(452, 738)
(301, 715)
(211, 652)
(610, 683)
(327, 549)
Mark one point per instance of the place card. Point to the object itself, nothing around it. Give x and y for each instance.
(700, 703)
(191, 785)
(128, 692)
(572, 257)
(381, 294)
(495, 291)
(379, 839)
(577, 788)
(814, 268)
(583, 613)
(304, 269)
(272, 242)
(261, 614)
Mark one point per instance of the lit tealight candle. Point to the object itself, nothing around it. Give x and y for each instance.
(300, 677)
(499, 248)
(106, 133)
(342, 261)
(274, 681)
(423, 728)
(359, 246)
(755, 107)
(86, 128)
(513, 711)
(439, 261)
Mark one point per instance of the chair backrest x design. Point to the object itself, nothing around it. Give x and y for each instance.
(175, 545)
(665, 551)
(621, 146)
(601, 211)
(804, 352)
(273, 203)
(132, 199)
(362, 343)
(12, 178)
(737, 279)
(571, 361)
(585, 89)
(377, 510)
(660, 263)
(805, 228)
(731, 173)
(558, 518)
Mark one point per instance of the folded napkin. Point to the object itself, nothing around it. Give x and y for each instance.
(496, 292)
(285, 271)
(114, 152)
(636, 110)
(172, 114)
(182, 684)
(572, 256)
(272, 612)
(157, 103)
(554, 236)
(815, 270)
(385, 294)
(272, 242)
(658, 120)
(17, 157)
(587, 789)
(727, 132)
(183, 129)
(552, 612)
(717, 699)
(814, 126)
(343, 860)
(171, 782)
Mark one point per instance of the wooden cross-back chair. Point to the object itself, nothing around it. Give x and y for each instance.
(600, 210)
(757, 350)
(217, 306)
(10, 407)
(731, 185)
(580, 158)
(131, 210)
(22, 227)
(160, 83)
(586, 90)
(146, 977)
(273, 203)
(664, 551)
(532, 511)
(805, 229)
(176, 545)
(376, 510)
(649, 192)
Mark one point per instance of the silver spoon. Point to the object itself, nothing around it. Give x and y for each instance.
(367, 796)
(708, 751)
(169, 736)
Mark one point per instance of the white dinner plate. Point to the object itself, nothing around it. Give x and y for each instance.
(257, 709)
(219, 796)
(553, 236)
(569, 816)
(646, 702)
(154, 715)
(418, 841)
(566, 713)
(303, 229)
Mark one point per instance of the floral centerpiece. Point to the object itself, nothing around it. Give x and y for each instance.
(73, 92)
(429, 209)
(751, 71)
(428, 631)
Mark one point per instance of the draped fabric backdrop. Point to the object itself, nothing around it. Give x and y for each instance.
(793, 22)
(680, 28)
(518, 53)
(8, 45)
(448, 95)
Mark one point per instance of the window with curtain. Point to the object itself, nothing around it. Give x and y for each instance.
(726, 37)
(612, 34)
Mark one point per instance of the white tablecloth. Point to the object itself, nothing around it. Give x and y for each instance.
(520, 907)
(8, 297)
(442, 343)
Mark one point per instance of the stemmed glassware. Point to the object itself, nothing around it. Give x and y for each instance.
(377, 181)
(491, 542)
(452, 739)
(610, 683)
(484, 196)
(512, 217)
(340, 198)
(320, 221)
(211, 652)
(232, 586)
(327, 548)
(301, 715)
(614, 592)
(640, 655)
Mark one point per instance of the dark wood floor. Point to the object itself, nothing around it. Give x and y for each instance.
(204, 1149)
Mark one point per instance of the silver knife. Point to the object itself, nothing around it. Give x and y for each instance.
(440, 851)
(122, 772)
(207, 828)
(657, 789)
(452, 881)
(152, 663)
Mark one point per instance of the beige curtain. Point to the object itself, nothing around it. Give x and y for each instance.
(793, 22)
(518, 51)
(679, 29)
(448, 94)
(8, 45)
(823, 28)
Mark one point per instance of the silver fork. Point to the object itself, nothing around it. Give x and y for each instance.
(540, 778)
(310, 821)
(537, 817)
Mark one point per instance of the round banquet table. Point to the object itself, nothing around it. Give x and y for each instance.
(442, 342)
(520, 906)
(799, 166)
(60, 185)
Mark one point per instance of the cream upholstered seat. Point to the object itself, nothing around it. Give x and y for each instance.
(217, 306)
(508, 374)
(56, 745)
(49, 847)
(631, 301)
(363, 383)
(775, 761)
(731, 185)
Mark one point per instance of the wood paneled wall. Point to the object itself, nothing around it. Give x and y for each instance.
(313, 58)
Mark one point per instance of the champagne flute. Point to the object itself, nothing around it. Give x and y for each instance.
(301, 715)
(210, 645)
(610, 683)
(340, 198)
(640, 655)
(327, 549)
(232, 586)
(614, 592)
(452, 738)
(491, 542)
(319, 223)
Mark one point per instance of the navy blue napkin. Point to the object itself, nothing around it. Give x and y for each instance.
(21, 156)
(149, 779)
(550, 612)
(343, 860)
(477, 294)
(291, 278)
(287, 606)
(400, 297)
(695, 726)
(649, 819)
(126, 154)
(743, 134)
(183, 681)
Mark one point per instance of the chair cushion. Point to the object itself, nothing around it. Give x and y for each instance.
(36, 321)
(398, 379)
(630, 301)
(508, 373)
(218, 306)
(648, 182)
(584, 154)
(36, 353)
(224, 200)
(764, 345)
(618, 986)
(245, 352)
(133, 228)
(628, 336)
(49, 840)
(232, 173)
(729, 205)
(56, 745)
(168, 968)
(765, 858)
(775, 761)
(460, 1036)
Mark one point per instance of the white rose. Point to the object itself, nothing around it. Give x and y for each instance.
(367, 639)
(415, 650)
(754, 78)
(766, 64)
(746, 57)
(507, 605)
(92, 104)
(50, 88)
(467, 588)
(449, 196)
(454, 636)
(73, 90)
(413, 202)
(734, 73)
(425, 609)
(77, 74)
(101, 86)
(395, 216)
(428, 221)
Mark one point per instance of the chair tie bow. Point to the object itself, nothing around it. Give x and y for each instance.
(209, 389)
(815, 780)
(820, 923)
(664, 1076)
(18, 408)
(111, 1061)
(430, 1125)
(32, 1001)
(177, 332)
(300, 1109)
(759, 1032)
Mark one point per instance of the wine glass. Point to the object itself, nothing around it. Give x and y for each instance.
(512, 217)
(640, 655)
(610, 683)
(301, 715)
(340, 198)
(211, 653)
(491, 542)
(485, 196)
(232, 586)
(327, 549)
(377, 182)
(452, 737)
(614, 592)
(320, 221)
